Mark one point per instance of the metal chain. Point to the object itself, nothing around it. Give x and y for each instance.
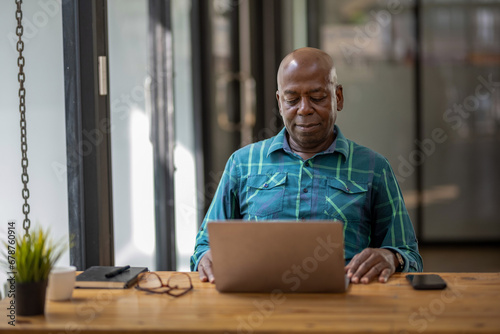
(22, 111)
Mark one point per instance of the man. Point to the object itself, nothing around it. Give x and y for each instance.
(311, 171)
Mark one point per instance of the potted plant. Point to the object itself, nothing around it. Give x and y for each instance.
(31, 260)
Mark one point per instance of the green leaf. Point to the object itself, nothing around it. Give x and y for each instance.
(35, 256)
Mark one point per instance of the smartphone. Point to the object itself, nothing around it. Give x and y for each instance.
(426, 282)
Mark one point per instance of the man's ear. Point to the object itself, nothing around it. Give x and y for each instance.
(278, 98)
(340, 97)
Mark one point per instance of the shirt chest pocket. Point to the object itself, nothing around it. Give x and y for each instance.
(265, 193)
(346, 199)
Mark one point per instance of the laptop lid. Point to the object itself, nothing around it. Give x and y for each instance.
(286, 256)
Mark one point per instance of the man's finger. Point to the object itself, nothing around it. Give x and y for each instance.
(203, 275)
(205, 268)
(356, 261)
(363, 268)
(372, 273)
(385, 274)
(209, 273)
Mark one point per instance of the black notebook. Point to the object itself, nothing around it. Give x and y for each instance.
(94, 277)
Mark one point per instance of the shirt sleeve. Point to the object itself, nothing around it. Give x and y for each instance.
(392, 227)
(225, 205)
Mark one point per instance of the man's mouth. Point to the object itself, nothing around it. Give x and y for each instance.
(307, 127)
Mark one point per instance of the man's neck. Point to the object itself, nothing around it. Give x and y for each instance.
(307, 153)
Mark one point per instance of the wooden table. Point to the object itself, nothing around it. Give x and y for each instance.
(471, 304)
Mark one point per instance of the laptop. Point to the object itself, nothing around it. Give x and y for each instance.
(278, 256)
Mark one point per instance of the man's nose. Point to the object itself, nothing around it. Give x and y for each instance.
(305, 107)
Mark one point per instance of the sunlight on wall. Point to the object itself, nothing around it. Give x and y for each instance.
(185, 206)
(141, 162)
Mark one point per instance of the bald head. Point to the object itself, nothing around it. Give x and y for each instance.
(308, 59)
(308, 99)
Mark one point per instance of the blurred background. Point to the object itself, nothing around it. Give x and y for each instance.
(191, 81)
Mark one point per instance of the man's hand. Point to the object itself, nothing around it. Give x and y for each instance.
(370, 263)
(205, 268)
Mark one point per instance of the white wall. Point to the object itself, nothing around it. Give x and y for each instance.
(45, 119)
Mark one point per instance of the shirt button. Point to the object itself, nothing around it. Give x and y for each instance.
(307, 164)
(266, 185)
(305, 190)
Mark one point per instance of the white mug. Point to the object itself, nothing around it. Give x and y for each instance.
(61, 283)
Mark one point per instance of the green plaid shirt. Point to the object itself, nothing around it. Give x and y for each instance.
(347, 182)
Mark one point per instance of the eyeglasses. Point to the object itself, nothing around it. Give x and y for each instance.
(178, 284)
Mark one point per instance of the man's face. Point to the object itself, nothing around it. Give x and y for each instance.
(308, 104)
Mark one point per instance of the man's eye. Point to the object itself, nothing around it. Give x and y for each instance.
(318, 99)
(292, 102)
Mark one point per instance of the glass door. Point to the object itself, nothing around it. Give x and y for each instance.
(140, 70)
(131, 148)
(461, 102)
(373, 46)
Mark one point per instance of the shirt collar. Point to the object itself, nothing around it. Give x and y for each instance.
(340, 143)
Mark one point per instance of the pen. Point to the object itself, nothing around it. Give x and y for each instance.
(117, 271)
